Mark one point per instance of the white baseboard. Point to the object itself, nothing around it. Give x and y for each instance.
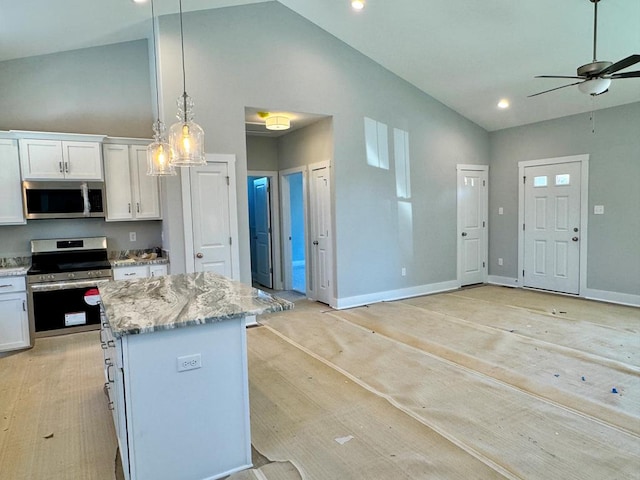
(504, 281)
(390, 295)
(612, 297)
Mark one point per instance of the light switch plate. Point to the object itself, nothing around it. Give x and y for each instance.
(598, 209)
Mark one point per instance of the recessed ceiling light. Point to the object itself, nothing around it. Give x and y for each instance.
(357, 4)
(504, 103)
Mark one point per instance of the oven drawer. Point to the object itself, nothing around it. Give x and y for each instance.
(12, 284)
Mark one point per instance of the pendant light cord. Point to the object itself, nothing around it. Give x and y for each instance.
(155, 58)
(184, 75)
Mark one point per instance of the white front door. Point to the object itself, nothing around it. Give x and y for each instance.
(211, 219)
(262, 212)
(472, 224)
(321, 249)
(552, 227)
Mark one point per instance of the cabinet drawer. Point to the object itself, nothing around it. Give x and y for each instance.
(129, 273)
(12, 284)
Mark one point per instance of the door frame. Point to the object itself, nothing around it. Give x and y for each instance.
(583, 159)
(274, 211)
(187, 213)
(485, 215)
(285, 203)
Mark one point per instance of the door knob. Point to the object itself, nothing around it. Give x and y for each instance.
(575, 239)
(199, 255)
(315, 242)
(464, 234)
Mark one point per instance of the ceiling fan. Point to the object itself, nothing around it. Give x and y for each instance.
(595, 77)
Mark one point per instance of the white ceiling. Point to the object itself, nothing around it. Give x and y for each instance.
(468, 54)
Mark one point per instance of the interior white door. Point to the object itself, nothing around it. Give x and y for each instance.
(552, 227)
(472, 225)
(321, 250)
(262, 211)
(211, 219)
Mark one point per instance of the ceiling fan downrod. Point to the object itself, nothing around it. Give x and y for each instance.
(595, 28)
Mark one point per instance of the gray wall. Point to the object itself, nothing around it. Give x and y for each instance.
(293, 65)
(305, 146)
(262, 153)
(14, 239)
(613, 258)
(103, 90)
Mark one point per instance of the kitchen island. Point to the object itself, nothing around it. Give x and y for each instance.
(176, 373)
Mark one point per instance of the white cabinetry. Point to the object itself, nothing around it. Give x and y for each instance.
(45, 159)
(131, 193)
(139, 271)
(176, 422)
(11, 212)
(14, 323)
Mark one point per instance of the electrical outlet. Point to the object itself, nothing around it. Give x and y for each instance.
(404, 272)
(132, 236)
(500, 211)
(500, 262)
(189, 362)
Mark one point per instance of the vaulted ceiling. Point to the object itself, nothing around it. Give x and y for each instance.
(468, 54)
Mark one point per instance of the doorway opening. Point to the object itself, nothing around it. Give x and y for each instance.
(262, 201)
(293, 206)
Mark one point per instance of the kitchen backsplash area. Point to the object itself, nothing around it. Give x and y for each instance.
(14, 239)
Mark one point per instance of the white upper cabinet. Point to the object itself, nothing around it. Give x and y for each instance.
(131, 194)
(53, 159)
(11, 212)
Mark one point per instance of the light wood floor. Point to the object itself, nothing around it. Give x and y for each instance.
(405, 385)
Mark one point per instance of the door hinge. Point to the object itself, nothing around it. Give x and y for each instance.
(227, 180)
(484, 265)
(483, 224)
(484, 183)
(523, 227)
(230, 241)
(523, 273)
(270, 269)
(524, 179)
(269, 229)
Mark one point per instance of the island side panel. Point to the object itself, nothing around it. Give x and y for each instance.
(192, 424)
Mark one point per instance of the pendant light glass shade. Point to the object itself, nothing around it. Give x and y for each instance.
(159, 153)
(186, 137)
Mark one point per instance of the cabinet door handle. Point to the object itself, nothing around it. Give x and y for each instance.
(61, 169)
(111, 407)
(6, 285)
(24, 305)
(109, 379)
(129, 207)
(138, 207)
(132, 274)
(66, 167)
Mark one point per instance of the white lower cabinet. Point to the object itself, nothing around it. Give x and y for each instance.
(174, 422)
(139, 271)
(14, 322)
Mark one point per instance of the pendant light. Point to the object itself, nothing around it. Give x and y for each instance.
(159, 152)
(186, 136)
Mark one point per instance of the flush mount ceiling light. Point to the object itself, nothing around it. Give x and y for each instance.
(357, 4)
(503, 103)
(186, 137)
(159, 153)
(277, 122)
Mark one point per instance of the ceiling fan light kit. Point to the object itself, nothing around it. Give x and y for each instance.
(595, 78)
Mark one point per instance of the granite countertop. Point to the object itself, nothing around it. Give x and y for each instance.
(133, 262)
(175, 301)
(14, 266)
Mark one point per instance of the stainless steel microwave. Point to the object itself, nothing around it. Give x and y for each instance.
(63, 199)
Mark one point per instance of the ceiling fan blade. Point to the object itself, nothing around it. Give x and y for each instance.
(551, 90)
(626, 75)
(624, 63)
(558, 76)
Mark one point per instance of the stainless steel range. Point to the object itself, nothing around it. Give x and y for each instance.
(62, 284)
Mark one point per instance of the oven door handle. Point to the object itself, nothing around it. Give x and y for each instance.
(67, 284)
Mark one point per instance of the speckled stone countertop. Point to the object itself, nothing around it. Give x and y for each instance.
(134, 262)
(176, 301)
(133, 258)
(14, 266)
